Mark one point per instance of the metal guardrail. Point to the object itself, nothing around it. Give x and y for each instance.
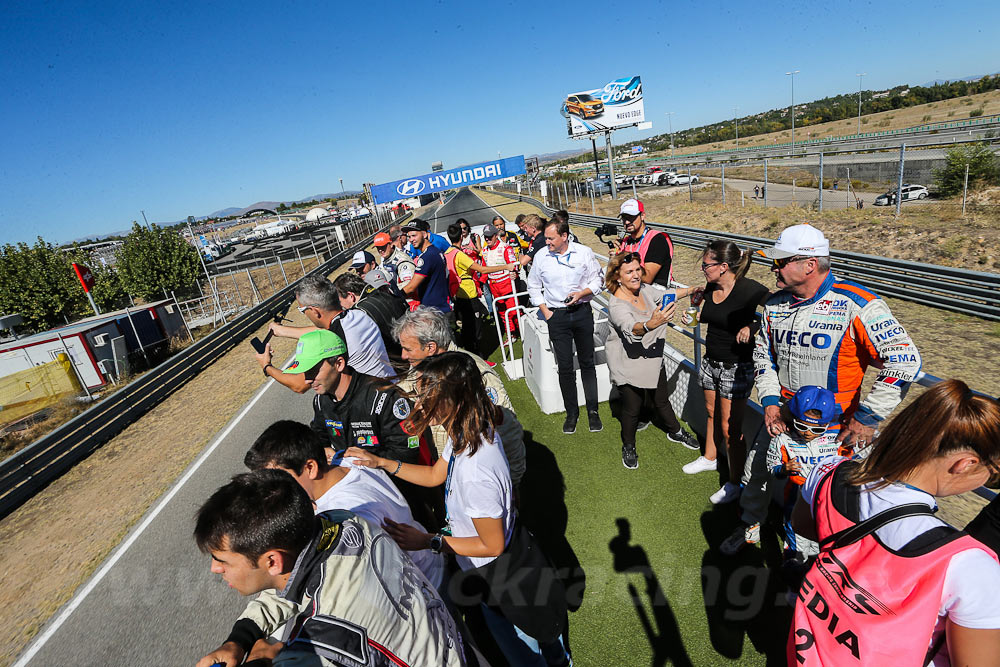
(959, 290)
(29, 470)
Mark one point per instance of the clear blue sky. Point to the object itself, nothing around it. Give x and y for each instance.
(182, 109)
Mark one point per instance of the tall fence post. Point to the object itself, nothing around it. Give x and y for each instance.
(254, 292)
(593, 209)
(326, 237)
(848, 187)
(899, 181)
(301, 265)
(965, 187)
(821, 181)
(690, 189)
(765, 183)
(634, 192)
(181, 313)
(723, 185)
(268, 271)
(239, 297)
(315, 252)
(281, 265)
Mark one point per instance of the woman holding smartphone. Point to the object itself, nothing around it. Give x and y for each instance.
(730, 301)
(482, 530)
(639, 314)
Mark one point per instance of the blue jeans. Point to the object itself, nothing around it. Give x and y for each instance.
(520, 649)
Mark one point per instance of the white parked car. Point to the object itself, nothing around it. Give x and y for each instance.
(683, 179)
(908, 193)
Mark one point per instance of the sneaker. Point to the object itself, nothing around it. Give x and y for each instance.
(629, 458)
(642, 426)
(685, 439)
(727, 494)
(742, 537)
(700, 464)
(569, 426)
(594, 421)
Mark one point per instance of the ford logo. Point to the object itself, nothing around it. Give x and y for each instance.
(411, 187)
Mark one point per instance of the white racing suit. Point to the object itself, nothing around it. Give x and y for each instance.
(827, 341)
(354, 599)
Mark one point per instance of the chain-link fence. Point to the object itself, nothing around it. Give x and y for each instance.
(942, 179)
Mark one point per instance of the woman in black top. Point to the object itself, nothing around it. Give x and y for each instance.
(731, 299)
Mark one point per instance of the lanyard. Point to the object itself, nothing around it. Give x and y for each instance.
(447, 493)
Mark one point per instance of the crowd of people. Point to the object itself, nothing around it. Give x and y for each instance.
(373, 533)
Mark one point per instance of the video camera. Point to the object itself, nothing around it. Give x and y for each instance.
(607, 229)
(261, 345)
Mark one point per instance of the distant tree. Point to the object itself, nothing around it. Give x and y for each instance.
(155, 259)
(39, 283)
(983, 168)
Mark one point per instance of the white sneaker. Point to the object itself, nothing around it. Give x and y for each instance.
(727, 494)
(700, 464)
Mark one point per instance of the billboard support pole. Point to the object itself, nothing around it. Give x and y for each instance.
(611, 165)
(597, 167)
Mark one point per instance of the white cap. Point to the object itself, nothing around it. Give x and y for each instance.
(802, 239)
(631, 207)
(377, 278)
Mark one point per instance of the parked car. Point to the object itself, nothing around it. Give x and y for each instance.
(908, 193)
(683, 179)
(659, 178)
(584, 106)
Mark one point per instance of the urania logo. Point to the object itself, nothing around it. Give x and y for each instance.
(411, 187)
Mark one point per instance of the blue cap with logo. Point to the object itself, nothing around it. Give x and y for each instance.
(812, 397)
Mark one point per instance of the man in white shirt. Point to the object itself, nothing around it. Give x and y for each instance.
(320, 303)
(296, 449)
(563, 280)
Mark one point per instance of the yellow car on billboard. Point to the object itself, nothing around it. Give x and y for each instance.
(584, 105)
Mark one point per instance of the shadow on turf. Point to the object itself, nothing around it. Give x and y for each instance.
(542, 507)
(743, 594)
(662, 631)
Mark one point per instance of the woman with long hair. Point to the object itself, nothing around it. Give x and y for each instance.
(726, 373)
(639, 317)
(482, 531)
(904, 587)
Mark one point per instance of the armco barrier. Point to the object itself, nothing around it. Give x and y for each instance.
(26, 472)
(960, 290)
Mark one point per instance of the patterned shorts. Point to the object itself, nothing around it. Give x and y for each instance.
(732, 383)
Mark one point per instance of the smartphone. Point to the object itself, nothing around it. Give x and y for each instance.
(667, 300)
(568, 299)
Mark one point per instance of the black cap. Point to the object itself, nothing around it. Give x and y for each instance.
(417, 225)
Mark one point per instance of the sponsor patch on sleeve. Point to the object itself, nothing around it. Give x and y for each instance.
(413, 441)
(401, 408)
(493, 394)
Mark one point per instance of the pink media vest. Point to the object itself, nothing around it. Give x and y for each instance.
(864, 604)
(642, 245)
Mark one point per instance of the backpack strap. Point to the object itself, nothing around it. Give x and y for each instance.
(860, 530)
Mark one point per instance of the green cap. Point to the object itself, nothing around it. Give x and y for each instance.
(314, 347)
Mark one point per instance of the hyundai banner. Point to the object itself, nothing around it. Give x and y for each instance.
(449, 180)
(617, 104)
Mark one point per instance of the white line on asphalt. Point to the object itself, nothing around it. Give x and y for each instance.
(96, 579)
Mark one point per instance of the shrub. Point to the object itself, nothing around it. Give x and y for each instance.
(926, 117)
(975, 113)
(983, 168)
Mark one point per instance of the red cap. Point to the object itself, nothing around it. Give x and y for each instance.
(382, 239)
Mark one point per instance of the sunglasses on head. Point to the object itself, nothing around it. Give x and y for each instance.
(804, 427)
(631, 257)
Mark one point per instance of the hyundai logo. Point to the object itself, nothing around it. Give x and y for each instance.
(411, 187)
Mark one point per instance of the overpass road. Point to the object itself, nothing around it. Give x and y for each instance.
(154, 601)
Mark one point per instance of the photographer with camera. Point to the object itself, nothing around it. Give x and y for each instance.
(655, 249)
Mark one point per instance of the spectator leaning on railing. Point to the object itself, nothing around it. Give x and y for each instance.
(635, 350)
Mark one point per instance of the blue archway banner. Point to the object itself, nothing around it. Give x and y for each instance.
(448, 180)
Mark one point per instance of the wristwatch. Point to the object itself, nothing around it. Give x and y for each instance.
(437, 542)
(265, 369)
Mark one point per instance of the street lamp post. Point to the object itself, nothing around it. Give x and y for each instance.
(670, 122)
(861, 77)
(342, 191)
(792, 74)
(736, 115)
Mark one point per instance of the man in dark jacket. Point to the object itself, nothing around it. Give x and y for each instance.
(373, 295)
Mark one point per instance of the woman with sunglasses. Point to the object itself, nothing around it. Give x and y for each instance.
(904, 587)
(639, 314)
(727, 371)
(527, 622)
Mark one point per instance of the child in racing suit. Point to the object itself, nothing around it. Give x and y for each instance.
(811, 417)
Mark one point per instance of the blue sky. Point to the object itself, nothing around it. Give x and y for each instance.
(182, 109)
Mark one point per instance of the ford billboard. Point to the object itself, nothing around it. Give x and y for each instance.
(617, 104)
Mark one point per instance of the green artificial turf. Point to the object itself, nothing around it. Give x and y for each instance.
(696, 606)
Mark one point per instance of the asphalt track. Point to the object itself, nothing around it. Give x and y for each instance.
(154, 600)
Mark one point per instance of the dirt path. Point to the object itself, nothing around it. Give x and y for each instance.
(52, 544)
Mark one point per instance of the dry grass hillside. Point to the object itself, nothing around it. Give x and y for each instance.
(945, 111)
